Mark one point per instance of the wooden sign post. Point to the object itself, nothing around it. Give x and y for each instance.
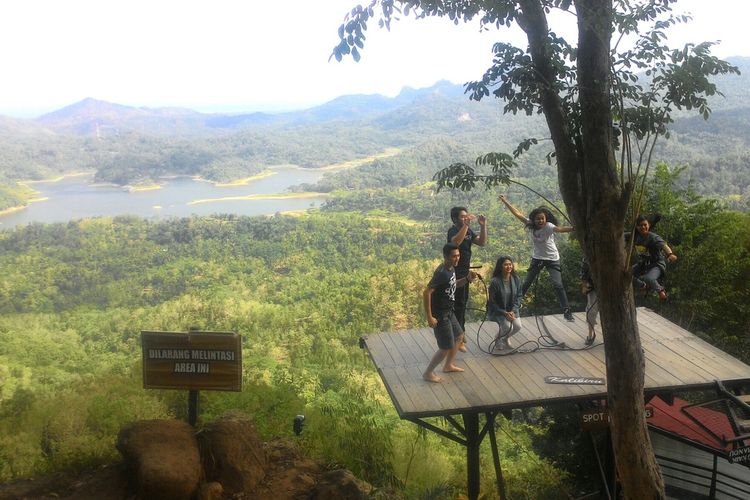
(193, 361)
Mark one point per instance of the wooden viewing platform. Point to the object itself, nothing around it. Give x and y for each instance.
(676, 360)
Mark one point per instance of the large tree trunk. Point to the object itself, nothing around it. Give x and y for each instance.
(597, 202)
(603, 220)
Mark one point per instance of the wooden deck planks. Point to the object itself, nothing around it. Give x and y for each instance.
(572, 333)
(410, 351)
(534, 371)
(696, 350)
(399, 394)
(674, 358)
(377, 350)
(421, 401)
(507, 382)
(435, 395)
(472, 392)
(393, 351)
(673, 361)
(490, 389)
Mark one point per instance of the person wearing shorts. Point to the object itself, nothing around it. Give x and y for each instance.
(439, 298)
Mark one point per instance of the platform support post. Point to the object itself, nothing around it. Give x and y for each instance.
(496, 456)
(471, 424)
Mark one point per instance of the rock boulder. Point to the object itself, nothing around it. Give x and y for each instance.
(163, 458)
(233, 455)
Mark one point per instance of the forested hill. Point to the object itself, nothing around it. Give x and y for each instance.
(127, 145)
(301, 291)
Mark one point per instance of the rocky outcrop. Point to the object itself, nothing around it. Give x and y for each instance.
(162, 457)
(167, 459)
(340, 485)
(232, 453)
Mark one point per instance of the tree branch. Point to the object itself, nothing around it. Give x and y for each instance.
(533, 21)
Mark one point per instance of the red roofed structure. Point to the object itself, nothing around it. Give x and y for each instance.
(692, 443)
(708, 428)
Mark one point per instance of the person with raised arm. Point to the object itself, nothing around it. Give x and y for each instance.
(462, 235)
(438, 298)
(542, 226)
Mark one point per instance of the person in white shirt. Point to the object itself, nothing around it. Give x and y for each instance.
(541, 225)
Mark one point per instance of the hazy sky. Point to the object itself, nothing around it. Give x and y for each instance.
(247, 55)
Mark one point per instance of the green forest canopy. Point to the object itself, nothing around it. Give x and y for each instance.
(301, 291)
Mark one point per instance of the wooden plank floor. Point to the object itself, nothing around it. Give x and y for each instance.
(675, 360)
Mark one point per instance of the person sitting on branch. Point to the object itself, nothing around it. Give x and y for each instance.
(541, 225)
(653, 254)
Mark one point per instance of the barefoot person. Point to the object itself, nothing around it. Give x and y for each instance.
(439, 298)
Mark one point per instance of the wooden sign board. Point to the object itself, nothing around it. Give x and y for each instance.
(193, 361)
(598, 418)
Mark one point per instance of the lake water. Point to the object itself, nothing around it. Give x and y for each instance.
(77, 198)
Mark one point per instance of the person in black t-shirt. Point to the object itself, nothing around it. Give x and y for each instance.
(439, 299)
(462, 235)
(652, 264)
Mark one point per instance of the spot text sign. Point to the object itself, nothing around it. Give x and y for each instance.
(594, 419)
(194, 361)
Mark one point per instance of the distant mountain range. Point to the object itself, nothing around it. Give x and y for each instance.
(91, 116)
(409, 108)
(131, 145)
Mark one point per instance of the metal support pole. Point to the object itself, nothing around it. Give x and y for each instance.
(613, 463)
(471, 423)
(193, 407)
(602, 474)
(496, 457)
(712, 493)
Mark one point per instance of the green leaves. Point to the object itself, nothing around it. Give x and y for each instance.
(351, 32)
(524, 146)
(498, 13)
(456, 176)
(464, 177)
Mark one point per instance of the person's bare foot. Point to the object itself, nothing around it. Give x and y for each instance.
(431, 377)
(452, 368)
(462, 347)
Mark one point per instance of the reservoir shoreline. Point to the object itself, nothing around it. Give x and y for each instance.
(73, 197)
